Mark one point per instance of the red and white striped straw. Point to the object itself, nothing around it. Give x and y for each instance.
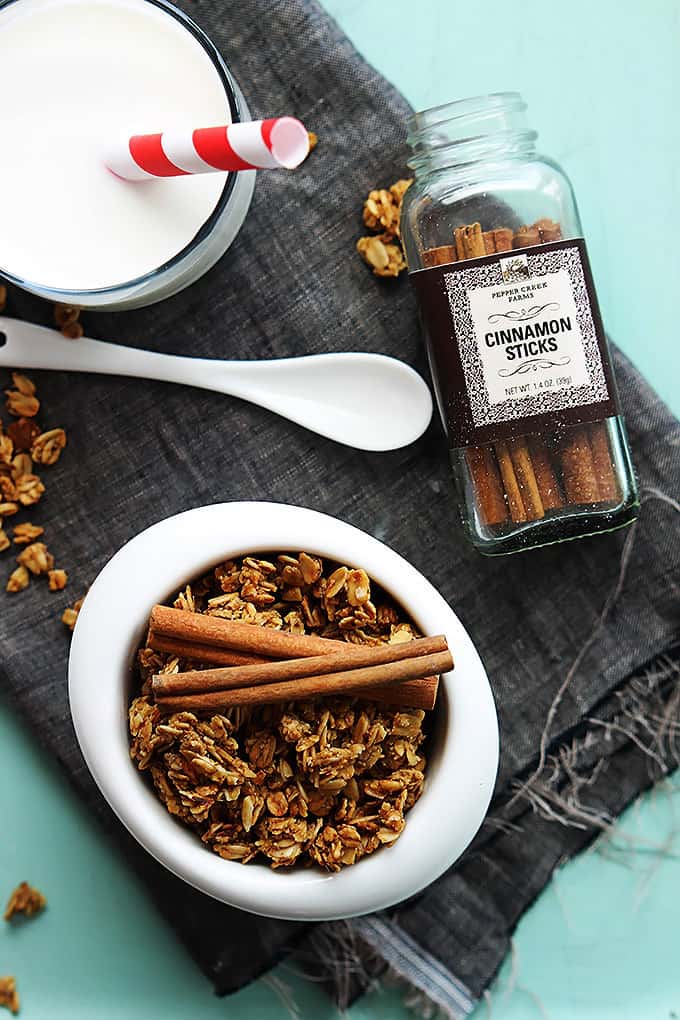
(255, 145)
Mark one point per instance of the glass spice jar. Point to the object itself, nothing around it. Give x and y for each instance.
(517, 349)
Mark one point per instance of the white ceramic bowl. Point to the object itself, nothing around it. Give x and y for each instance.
(462, 761)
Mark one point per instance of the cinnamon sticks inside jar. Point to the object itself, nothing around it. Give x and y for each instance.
(525, 478)
(525, 384)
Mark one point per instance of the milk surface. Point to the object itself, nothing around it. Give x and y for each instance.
(74, 74)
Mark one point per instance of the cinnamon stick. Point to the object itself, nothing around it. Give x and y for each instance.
(407, 694)
(497, 240)
(546, 479)
(439, 256)
(351, 657)
(602, 461)
(489, 242)
(487, 484)
(200, 653)
(371, 678)
(198, 629)
(503, 239)
(526, 237)
(176, 630)
(515, 503)
(578, 468)
(526, 479)
(420, 694)
(548, 230)
(469, 241)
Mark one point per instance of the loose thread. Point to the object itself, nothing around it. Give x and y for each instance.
(564, 686)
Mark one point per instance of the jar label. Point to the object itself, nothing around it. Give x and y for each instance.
(517, 342)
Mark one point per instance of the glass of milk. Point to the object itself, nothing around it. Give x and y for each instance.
(75, 74)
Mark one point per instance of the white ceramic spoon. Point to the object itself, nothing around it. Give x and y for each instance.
(368, 401)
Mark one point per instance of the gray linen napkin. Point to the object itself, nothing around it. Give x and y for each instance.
(595, 618)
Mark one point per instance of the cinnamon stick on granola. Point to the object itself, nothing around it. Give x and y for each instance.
(212, 640)
(350, 681)
(351, 657)
(198, 629)
(410, 694)
(200, 653)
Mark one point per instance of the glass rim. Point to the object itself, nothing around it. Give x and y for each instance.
(75, 296)
(422, 121)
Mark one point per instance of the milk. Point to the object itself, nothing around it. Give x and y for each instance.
(74, 74)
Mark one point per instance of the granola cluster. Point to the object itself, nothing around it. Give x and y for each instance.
(23, 445)
(70, 614)
(323, 781)
(25, 900)
(381, 213)
(9, 997)
(67, 321)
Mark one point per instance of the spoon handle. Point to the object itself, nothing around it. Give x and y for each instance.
(27, 345)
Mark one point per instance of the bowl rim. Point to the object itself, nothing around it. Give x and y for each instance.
(116, 608)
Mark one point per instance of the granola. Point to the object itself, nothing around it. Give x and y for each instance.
(18, 580)
(47, 447)
(319, 782)
(24, 444)
(385, 258)
(29, 489)
(25, 900)
(70, 614)
(381, 213)
(9, 997)
(56, 579)
(66, 318)
(36, 558)
(25, 533)
(382, 208)
(22, 405)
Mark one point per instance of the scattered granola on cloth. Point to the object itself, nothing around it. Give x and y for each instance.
(324, 781)
(25, 900)
(23, 444)
(70, 614)
(9, 997)
(67, 320)
(381, 213)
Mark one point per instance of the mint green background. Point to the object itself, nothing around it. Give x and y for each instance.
(602, 82)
